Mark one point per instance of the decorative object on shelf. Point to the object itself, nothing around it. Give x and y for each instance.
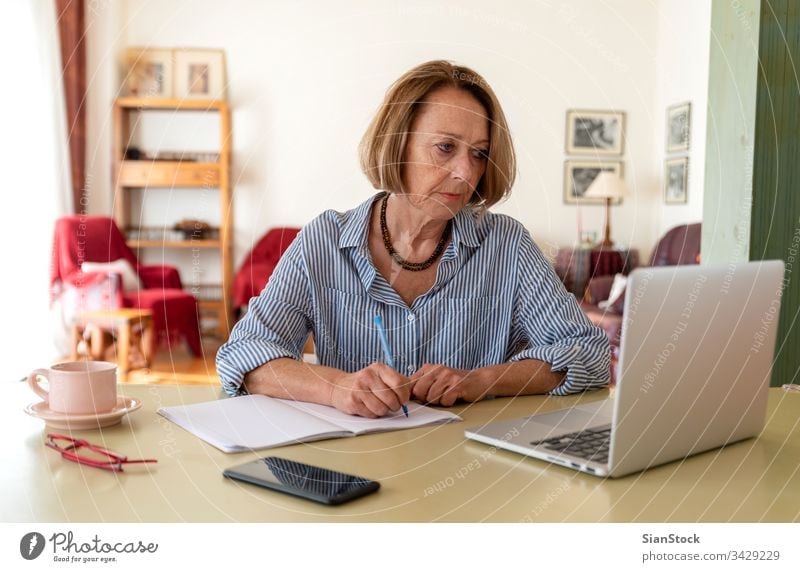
(579, 175)
(192, 228)
(588, 239)
(676, 181)
(607, 186)
(133, 154)
(678, 127)
(595, 133)
(148, 72)
(200, 74)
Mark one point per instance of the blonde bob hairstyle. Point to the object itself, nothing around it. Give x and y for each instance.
(383, 145)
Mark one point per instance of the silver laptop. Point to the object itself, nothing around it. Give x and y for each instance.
(695, 363)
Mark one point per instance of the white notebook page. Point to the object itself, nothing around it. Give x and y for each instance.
(418, 416)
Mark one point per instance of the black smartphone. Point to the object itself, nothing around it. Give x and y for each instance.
(302, 480)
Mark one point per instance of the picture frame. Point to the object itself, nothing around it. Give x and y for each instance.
(679, 123)
(149, 72)
(200, 74)
(676, 181)
(595, 133)
(579, 175)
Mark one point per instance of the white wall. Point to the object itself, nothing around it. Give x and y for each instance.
(105, 39)
(305, 78)
(683, 43)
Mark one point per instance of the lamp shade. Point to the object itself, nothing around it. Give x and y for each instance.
(607, 185)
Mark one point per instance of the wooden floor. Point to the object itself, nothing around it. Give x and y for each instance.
(180, 366)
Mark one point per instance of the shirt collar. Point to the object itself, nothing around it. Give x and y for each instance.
(356, 224)
(354, 228)
(465, 227)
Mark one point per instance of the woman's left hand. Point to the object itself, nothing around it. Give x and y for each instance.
(442, 385)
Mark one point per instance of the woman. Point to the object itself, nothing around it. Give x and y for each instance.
(471, 306)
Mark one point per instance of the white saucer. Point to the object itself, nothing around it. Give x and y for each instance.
(80, 422)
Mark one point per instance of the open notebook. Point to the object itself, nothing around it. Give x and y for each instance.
(258, 422)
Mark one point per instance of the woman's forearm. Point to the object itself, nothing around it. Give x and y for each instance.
(287, 378)
(525, 377)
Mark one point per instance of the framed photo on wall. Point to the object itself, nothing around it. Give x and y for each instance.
(200, 74)
(579, 175)
(148, 72)
(678, 127)
(676, 181)
(595, 132)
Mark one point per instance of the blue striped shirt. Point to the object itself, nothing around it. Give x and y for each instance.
(496, 299)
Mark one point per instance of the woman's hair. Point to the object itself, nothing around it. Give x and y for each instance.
(384, 143)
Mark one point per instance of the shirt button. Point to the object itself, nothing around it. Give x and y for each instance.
(411, 317)
(410, 369)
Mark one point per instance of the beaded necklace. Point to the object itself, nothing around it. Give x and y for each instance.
(412, 266)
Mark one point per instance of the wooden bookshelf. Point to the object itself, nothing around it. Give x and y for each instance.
(130, 174)
(174, 244)
(169, 174)
(170, 103)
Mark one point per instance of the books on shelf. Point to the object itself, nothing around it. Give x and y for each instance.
(134, 154)
(167, 234)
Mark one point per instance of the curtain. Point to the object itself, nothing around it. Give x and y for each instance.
(71, 33)
(48, 54)
(34, 159)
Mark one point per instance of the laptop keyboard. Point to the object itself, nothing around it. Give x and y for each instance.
(590, 444)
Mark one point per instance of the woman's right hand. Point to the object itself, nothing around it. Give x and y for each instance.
(371, 392)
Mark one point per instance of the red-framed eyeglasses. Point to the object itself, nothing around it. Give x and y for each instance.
(104, 459)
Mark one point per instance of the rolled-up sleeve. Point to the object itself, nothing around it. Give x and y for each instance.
(276, 325)
(549, 325)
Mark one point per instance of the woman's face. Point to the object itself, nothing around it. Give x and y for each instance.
(446, 152)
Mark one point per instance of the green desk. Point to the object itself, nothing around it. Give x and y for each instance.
(426, 474)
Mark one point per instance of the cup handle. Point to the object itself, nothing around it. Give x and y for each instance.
(34, 384)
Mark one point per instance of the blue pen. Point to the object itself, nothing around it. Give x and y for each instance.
(386, 351)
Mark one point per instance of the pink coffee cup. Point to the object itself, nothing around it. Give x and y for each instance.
(78, 387)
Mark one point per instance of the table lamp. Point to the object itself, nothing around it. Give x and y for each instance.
(607, 185)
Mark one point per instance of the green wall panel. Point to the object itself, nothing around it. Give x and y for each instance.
(775, 224)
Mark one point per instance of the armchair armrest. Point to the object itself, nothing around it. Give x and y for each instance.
(599, 288)
(160, 276)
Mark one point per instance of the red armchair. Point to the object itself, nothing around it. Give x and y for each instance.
(78, 239)
(680, 246)
(259, 264)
